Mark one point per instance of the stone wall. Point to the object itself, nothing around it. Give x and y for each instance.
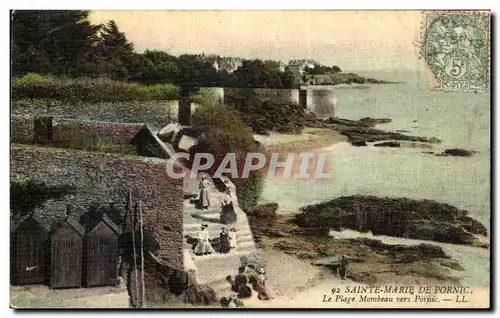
(22, 129)
(321, 102)
(264, 93)
(72, 130)
(67, 130)
(174, 110)
(155, 113)
(103, 178)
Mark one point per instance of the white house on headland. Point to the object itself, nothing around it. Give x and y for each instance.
(282, 66)
(296, 69)
(229, 64)
(214, 60)
(298, 66)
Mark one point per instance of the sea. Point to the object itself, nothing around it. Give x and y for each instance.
(458, 119)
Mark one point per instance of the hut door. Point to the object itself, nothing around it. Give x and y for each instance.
(29, 252)
(66, 267)
(102, 267)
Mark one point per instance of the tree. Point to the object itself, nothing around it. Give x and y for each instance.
(116, 51)
(319, 69)
(52, 41)
(114, 43)
(31, 194)
(335, 69)
(258, 74)
(192, 72)
(271, 64)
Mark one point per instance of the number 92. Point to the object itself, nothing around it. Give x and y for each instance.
(335, 290)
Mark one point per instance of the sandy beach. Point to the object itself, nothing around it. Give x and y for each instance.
(298, 284)
(310, 139)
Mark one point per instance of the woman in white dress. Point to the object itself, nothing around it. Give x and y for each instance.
(204, 247)
(232, 238)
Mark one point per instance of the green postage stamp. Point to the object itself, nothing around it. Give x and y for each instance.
(456, 49)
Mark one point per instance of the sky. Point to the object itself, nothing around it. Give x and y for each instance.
(353, 40)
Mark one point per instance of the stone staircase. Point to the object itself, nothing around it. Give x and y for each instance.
(213, 269)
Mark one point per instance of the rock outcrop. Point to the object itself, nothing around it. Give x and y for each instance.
(266, 210)
(370, 261)
(200, 295)
(392, 144)
(361, 130)
(358, 143)
(401, 217)
(459, 152)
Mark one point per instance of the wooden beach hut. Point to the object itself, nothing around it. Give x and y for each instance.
(66, 254)
(29, 247)
(101, 253)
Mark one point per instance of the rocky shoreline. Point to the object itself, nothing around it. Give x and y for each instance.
(399, 217)
(360, 132)
(307, 236)
(370, 261)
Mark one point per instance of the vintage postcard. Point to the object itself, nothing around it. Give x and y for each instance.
(250, 159)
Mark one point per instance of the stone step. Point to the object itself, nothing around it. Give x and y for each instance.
(215, 233)
(245, 246)
(215, 229)
(191, 209)
(192, 224)
(211, 213)
(213, 226)
(215, 200)
(199, 260)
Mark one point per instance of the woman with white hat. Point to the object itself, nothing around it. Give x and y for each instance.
(203, 247)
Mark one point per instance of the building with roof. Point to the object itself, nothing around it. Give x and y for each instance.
(66, 254)
(100, 257)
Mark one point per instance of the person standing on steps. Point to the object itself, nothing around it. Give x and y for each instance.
(232, 239)
(204, 247)
(225, 247)
(343, 267)
(227, 214)
(204, 200)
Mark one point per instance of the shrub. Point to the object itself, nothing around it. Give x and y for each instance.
(227, 133)
(268, 113)
(88, 89)
(251, 191)
(206, 96)
(28, 195)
